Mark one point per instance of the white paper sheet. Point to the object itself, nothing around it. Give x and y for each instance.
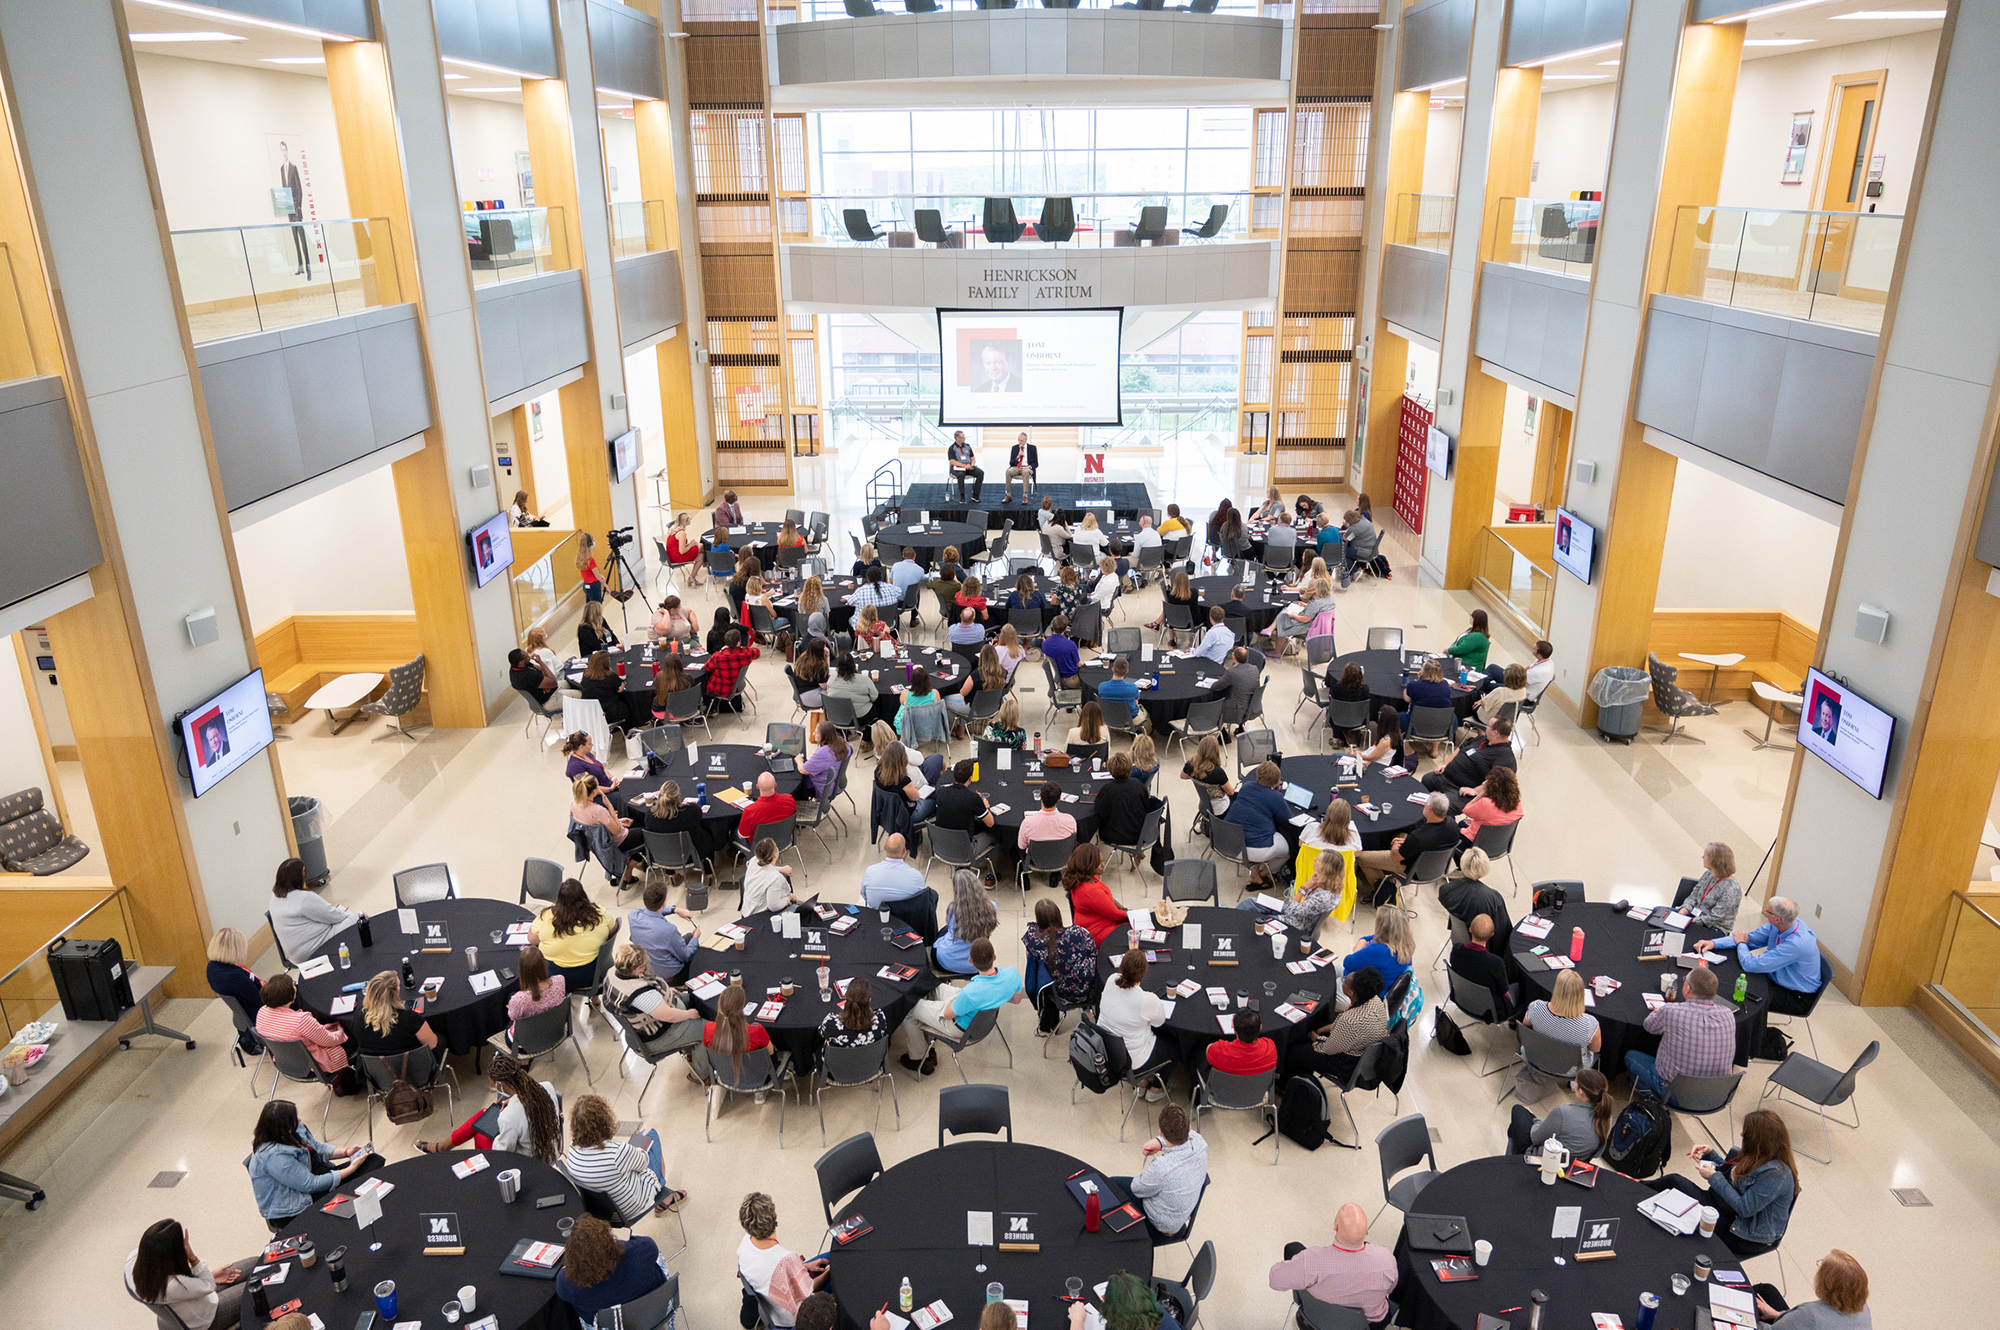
(485, 981)
(1568, 1218)
(979, 1228)
(409, 920)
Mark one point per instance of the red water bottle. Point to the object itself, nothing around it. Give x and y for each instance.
(1090, 1213)
(1576, 944)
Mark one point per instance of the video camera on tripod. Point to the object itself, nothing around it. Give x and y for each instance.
(618, 537)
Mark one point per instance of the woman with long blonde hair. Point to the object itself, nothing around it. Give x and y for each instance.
(388, 1028)
(1206, 770)
(1387, 950)
(1006, 729)
(586, 567)
(1007, 646)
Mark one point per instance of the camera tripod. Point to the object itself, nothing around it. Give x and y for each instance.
(635, 585)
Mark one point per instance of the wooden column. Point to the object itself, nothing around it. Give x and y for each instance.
(680, 430)
(524, 456)
(1552, 426)
(364, 114)
(1389, 359)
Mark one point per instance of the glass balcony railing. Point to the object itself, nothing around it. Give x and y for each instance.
(1968, 964)
(1558, 234)
(1513, 577)
(1089, 221)
(28, 991)
(814, 11)
(639, 228)
(544, 587)
(17, 354)
(1424, 220)
(507, 244)
(1828, 267)
(246, 279)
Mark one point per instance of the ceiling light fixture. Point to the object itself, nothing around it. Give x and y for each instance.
(1890, 15)
(1571, 55)
(187, 37)
(1776, 41)
(1433, 87)
(293, 60)
(1613, 63)
(620, 92)
(177, 7)
(1768, 10)
(489, 69)
(499, 89)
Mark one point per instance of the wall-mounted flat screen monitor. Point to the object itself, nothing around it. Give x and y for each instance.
(226, 731)
(1029, 367)
(1437, 452)
(1846, 731)
(491, 545)
(1576, 543)
(624, 456)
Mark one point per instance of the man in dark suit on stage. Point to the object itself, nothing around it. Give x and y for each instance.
(1023, 460)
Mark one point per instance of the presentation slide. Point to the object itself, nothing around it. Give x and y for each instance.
(1846, 731)
(1041, 367)
(1576, 541)
(226, 731)
(492, 547)
(624, 456)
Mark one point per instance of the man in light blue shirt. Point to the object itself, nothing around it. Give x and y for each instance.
(894, 879)
(652, 930)
(1118, 688)
(1218, 641)
(907, 572)
(1790, 955)
(951, 1011)
(1168, 1187)
(967, 631)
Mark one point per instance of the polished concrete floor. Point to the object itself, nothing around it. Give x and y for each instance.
(1626, 820)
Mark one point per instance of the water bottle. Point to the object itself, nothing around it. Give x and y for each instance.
(346, 961)
(1649, 1308)
(1038, 744)
(701, 794)
(409, 973)
(1576, 945)
(1540, 1301)
(1742, 986)
(1092, 1211)
(904, 1298)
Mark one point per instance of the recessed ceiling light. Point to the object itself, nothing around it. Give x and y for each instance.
(1608, 62)
(1575, 76)
(1890, 15)
(179, 8)
(187, 37)
(458, 76)
(1572, 55)
(1776, 41)
(503, 89)
(490, 69)
(293, 60)
(1768, 10)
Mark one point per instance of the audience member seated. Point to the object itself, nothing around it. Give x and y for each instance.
(1428, 689)
(1717, 895)
(782, 1279)
(1334, 1051)
(858, 690)
(1353, 1272)
(163, 1271)
(1240, 681)
(915, 723)
(1008, 649)
(768, 806)
(729, 512)
(303, 922)
(1563, 1017)
(1387, 745)
(731, 1034)
(1361, 544)
(972, 596)
(970, 917)
(659, 1015)
(1249, 1053)
(968, 631)
(1307, 906)
(1498, 804)
(571, 932)
(1350, 686)
(1296, 620)
(539, 991)
(1841, 1286)
(599, 1271)
(632, 1177)
(906, 572)
(1061, 653)
(522, 1119)
(1697, 1037)
(810, 672)
(1752, 1187)
(684, 548)
(1436, 832)
(1387, 950)
(593, 634)
(719, 676)
(1218, 641)
(536, 644)
(673, 813)
(1130, 1303)
(1466, 896)
(1091, 903)
(651, 928)
(230, 976)
(388, 1029)
(1582, 1124)
(1476, 961)
(962, 808)
(1122, 805)
(1120, 688)
(1484, 703)
(590, 807)
(1169, 1186)
(1463, 777)
(858, 1022)
(767, 884)
(951, 1008)
(1064, 959)
(278, 1017)
(1206, 769)
(719, 630)
(875, 592)
(526, 674)
(892, 772)
(1089, 730)
(1472, 645)
(669, 677)
(581, 753)
(290, 1167)
(1180, 592)
(1789, 956)
(1046, 822)
(893, 878)
(1131, 1013)
(1260, 809)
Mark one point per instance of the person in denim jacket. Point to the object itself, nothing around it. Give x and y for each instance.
(281, 1159)
(1752, 1187)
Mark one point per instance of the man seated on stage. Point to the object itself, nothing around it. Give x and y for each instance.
(1462, 777)
(961, 458)
(1023, 460)
(1790, 956)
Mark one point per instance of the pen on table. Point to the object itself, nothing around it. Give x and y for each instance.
(1503, 1311)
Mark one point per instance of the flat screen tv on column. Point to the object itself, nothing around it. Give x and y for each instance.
(1576, 542)
(1029, 367)
(1846, 731)
(624, 456)
(491, 545)
(226, 731)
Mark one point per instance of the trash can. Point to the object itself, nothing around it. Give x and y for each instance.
(309, 828)
(1620, 693)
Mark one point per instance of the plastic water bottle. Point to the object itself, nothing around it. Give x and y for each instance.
(1038, 743)
(701, 794)
(346, 961)
(1742, 986)
(904, 1298)
(1576, 944)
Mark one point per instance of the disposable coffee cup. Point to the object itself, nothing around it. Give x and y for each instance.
(1708, 1218)
(1277, 946)
(468, 1298)
(510, 1184)
(777, 923)
(308, 1255)
(1667, 985)
(1482, 1251)
(785, 986)
(1703, 1267)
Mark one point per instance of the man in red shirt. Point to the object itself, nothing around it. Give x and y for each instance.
(1249, 1053)
(769, 806)
(725, 667)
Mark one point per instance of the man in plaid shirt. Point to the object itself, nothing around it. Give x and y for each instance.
(726, 666)
(1697, 1038)
(874, 592)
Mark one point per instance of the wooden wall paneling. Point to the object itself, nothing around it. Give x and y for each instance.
(1691, 167)
(725, 64)
(364, 114)
(1409, 123)
(1630, 565)
(654, 123)
(1549, 484)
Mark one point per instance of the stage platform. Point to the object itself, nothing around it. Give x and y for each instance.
(1122, 499)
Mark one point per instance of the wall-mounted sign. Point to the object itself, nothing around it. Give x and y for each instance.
(1795, 148)
(750, 404)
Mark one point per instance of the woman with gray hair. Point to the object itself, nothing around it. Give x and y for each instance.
(1716, 894)
(970, 916)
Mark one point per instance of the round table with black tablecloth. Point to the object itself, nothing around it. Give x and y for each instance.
(751, 535)
(947, 669)
(1503, 1201)
(462, 1019)
(424, 1284)
(635, 663)
(1179, 686)
(722, 766)
(929, 541)
(918, 1211)
(1020, 788)
(1388, 795)
(1386, 677)
(1611, 943)
(1194, 1024)
(768, 958)
(1255, 533)
(1258, 608)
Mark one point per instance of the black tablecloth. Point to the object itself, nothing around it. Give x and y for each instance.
(1126, 499)
(425, 1185)
(918, 1211)
(1194, 1026)
(1020, 788)
(1259, 606)
(1503, 1202)
(721, 765)
(462, 1019)
(1390, 795)
(1386, 677)
(768, 958)
(750, 536)
(929, 541)
(1179, 686)
(1611, 942)
(1255, 533)
(947, 669)
(634, 663)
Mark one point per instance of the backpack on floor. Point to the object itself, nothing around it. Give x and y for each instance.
(406, 1103)
(1639, 1138)
(1775, 1046)
(1302, 1113)
(1100, 1060)
(1446, 1035)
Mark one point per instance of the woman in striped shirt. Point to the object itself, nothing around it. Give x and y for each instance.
(1563, 1018)
(634, 1183)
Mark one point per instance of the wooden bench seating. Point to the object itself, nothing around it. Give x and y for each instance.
(1775, 647)
(304, 651)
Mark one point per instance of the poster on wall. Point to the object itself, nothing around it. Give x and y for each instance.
(535, 420)
(750, 404)
(1357, 446)
(524, 172)
(292, 199)
(1795, 149)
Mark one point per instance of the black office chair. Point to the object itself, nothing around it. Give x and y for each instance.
(859, 9)
(1152, 223)
(1002, 228)
(920, 6)
(1218, 213)
(859, 228)
(845, 1170)
(982, 1108)
(930, 222)
(1058, 221)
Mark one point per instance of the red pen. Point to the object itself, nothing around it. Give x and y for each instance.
(1503, 1311)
